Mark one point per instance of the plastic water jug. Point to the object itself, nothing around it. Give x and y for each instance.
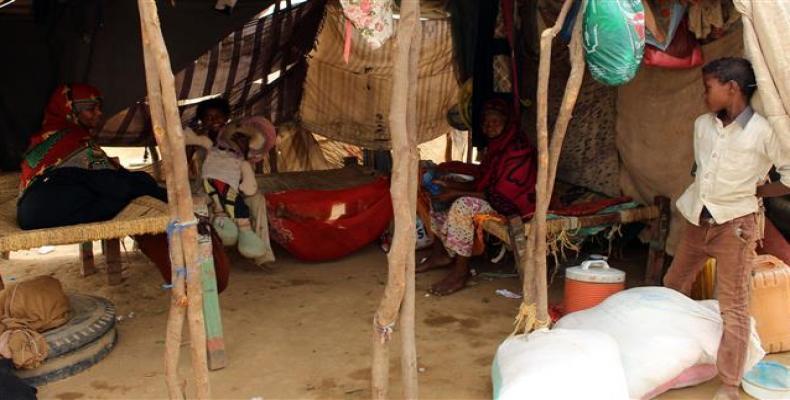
(770, 302)
(591, 283)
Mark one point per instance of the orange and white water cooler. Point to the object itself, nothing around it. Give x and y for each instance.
(591, 283)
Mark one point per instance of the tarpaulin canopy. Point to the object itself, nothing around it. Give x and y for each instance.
(259, 68)
(93, 41)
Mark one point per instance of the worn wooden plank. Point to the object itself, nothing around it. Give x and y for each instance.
(215, 341)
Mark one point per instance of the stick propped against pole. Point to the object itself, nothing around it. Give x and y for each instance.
(533, 313)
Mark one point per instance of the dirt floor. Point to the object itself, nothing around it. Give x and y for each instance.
(298, 331)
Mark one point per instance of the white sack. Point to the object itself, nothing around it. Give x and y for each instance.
(559, 364)
(660, 333)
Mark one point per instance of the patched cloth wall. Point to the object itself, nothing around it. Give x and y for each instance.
(589, 155)
(350, 102)
(655, 125)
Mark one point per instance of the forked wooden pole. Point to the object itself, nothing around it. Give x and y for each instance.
(572, 88)
(534, 309)
(182, 198)
(403, 190)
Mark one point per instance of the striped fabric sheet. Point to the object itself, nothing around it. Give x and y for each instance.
(243, 68)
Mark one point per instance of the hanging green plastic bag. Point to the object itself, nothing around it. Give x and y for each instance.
(614, 39)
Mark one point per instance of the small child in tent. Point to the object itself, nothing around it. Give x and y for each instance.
(227, 176)
(211, 116)
(734, 149)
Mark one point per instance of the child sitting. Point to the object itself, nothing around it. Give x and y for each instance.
(734, 149)
(227, 177)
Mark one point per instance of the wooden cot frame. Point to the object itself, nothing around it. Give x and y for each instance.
(514, 233)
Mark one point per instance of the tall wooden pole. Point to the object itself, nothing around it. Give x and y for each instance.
(534, 310)
(181, 195)
(178, 302)
(408, 339)
(403, 190)
(572, 88)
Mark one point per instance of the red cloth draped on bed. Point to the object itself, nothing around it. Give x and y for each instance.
(322, 225)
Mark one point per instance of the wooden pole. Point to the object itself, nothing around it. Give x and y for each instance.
(408, 339)
(572, 88)
(182, 197)
(403, 190)
(534, 309)
(178, 301)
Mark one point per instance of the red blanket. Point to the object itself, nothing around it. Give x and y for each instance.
(322, 225)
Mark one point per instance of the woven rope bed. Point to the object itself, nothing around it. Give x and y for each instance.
(514, 232)
(144, 215)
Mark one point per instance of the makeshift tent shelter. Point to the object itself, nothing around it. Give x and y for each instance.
(260, 65)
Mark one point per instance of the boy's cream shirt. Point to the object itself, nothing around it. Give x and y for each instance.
(731, 161)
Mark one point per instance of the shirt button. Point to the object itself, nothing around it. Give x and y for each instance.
(715, 155)
(707, 175)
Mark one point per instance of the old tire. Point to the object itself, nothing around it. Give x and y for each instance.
(80, 343)
(68, 364)
(91, 318)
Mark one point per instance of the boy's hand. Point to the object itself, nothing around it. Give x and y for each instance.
(773, 189)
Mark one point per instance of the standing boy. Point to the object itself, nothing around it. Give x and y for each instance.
(734, 149)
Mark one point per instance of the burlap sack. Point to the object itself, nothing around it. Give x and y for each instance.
(27, 309)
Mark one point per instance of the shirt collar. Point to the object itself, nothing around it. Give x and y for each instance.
(742, 119)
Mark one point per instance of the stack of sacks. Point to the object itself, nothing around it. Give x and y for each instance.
(666, 340)
(637, 344)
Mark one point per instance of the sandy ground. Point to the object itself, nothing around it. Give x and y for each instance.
(300, 331)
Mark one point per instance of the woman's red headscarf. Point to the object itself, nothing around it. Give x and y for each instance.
(508, 169)
(61, 135)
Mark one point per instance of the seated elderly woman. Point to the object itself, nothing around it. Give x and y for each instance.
(504, 184)
(67, 179)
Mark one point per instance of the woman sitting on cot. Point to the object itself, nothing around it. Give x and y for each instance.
(505, 184)
(67, 179)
